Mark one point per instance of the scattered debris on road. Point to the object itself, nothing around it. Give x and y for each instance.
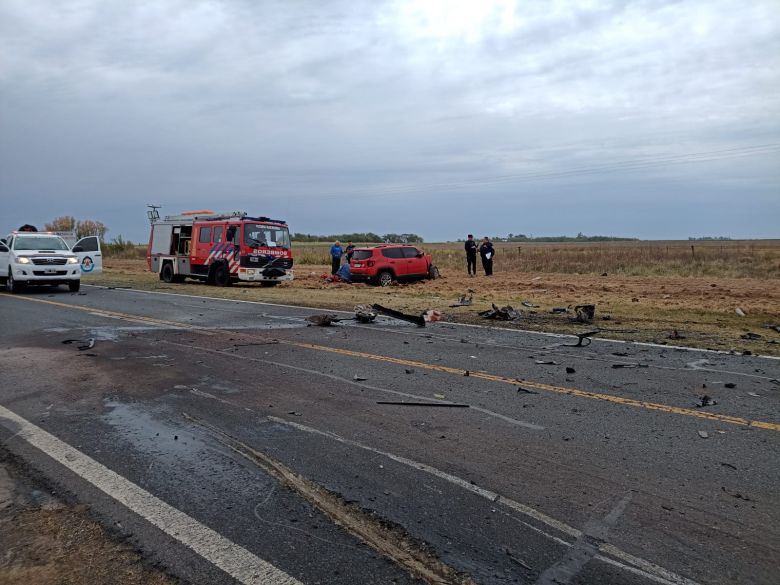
(358, 378)
(364, 313)
(582, 338)
(419, 320)
(526, 390)
(704, 434)
(85, 343)
(546, 363)
(706, 400)
(570, 370)
(325, 320)
(754, 394)
(730, 385)
(529, 304)
(556, 310)
(729, 465)
(739, 312)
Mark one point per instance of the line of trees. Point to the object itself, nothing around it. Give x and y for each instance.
(580, 237)
(82, 227)
(364, 238)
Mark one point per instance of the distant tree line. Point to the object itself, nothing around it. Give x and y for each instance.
(82, 227)
(580, 237)
(367, 238)
(710, 239)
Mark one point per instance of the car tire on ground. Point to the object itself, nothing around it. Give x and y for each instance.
(74, 285)
(221, 275)
(167, 275)
(12, 285)
(433, 273)
(384, 278)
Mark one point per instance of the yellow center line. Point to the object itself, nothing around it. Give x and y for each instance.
(723, 418)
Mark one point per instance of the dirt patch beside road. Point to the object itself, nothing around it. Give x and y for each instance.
(650, 308)
(48, 542)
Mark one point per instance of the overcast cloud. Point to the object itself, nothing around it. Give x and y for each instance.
(643, 118)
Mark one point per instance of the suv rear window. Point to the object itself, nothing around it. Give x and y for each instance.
(362, 254)
(393, 253)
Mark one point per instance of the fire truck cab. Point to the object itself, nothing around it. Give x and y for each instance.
(219, 248)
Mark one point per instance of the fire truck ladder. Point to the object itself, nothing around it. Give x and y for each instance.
(207, 216)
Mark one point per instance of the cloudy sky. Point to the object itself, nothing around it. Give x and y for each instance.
(440, 117)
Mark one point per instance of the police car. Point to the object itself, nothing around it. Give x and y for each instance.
(45, 258)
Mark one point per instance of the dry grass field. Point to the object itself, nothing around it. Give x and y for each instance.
(643, 291)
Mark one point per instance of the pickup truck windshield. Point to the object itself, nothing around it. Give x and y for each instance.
(257, 235)
(39, 243)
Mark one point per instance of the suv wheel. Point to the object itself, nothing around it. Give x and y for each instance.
(221, 275)
(13, 285)
(167, 273)
(74, 285)
(433, 272)
(384, 278)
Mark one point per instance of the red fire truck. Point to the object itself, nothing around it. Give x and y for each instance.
(219, 248)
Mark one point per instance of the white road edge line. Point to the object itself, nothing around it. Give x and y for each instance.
(632, 564)
(233, 559)
(487, 328)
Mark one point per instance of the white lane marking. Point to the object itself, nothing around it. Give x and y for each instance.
(233, 559)
(633, 564)
(486, 328)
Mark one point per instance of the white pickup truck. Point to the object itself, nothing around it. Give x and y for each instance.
(45, 258)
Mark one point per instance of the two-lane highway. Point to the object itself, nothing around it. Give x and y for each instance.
(235, 443)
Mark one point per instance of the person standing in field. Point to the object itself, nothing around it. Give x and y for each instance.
(335, 257)
(350, 250)
(471, 255)
(486, 251)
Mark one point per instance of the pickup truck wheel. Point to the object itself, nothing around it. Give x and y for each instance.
(222, 275)
(13, 286)
(74, 285)
(167, 274)
(384, 278)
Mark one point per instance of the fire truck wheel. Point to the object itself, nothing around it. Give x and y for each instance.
(221, 275)
(167, 274)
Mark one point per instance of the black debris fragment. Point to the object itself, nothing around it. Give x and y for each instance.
(750, 336)
(585, 313)
(358, 378)
(706, 400)
(404, 403)
(85, 344)
(570, 370)
(729, 465)
(730, 385)
(556, 310)
(364, 313)
(526, 390)
(465, 299)
(628, 366)
(529, 304)
(676, 335)
(506, 313)
(582, 338)
(418, 320)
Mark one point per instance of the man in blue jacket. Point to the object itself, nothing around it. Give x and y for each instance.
(335, 257)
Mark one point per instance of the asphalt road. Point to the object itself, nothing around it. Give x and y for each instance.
(233, 443)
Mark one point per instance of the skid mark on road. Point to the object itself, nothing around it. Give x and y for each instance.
(723, 418)
(233, 559)
(617, 556)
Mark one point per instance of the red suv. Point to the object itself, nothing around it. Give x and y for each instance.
(388, 262)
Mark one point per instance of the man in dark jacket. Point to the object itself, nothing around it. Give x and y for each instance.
(335, 257)
(486, 251)
(471, 255)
